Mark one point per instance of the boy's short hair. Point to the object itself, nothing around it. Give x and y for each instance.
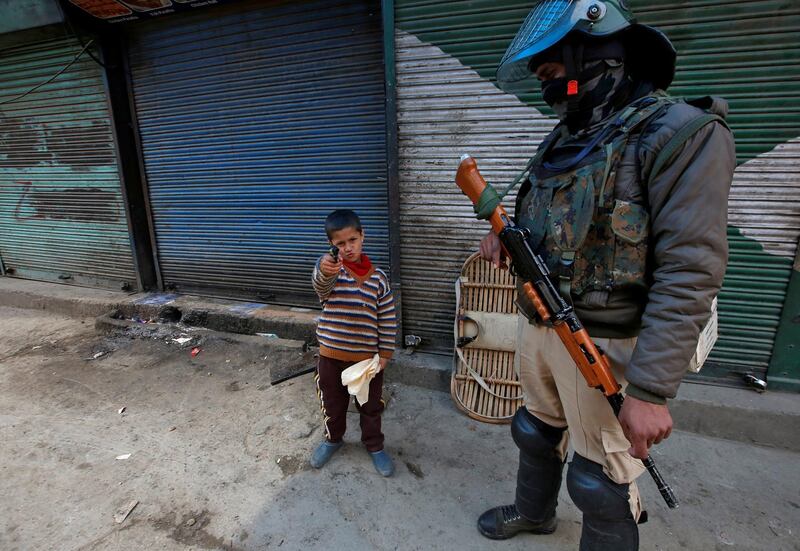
(341, 219)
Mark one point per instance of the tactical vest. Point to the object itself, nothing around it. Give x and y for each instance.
(590, 240)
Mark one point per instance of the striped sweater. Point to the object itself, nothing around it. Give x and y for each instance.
(358, 316)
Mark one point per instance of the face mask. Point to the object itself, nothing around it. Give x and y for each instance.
(554, 94)
(600, 85)
(554, 90)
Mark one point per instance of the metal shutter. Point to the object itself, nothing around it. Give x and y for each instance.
(62, 215)
(256, 121)
(744, 51)
(444, 110)
(747, 52)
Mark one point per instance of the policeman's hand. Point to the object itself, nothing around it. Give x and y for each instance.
(328, 266)
(492, 251)
(644, 424)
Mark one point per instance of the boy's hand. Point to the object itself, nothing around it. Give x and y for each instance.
(328, 266)
(383, 363)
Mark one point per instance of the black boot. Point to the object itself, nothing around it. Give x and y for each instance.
(608, 523)
(505, 522)
(538, 482)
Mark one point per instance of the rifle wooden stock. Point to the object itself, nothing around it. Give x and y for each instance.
(551, 307)
(471, 182)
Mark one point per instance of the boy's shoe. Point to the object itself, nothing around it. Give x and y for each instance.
(383, 463)
(323, 453)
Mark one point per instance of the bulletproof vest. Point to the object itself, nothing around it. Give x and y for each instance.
(589, 240)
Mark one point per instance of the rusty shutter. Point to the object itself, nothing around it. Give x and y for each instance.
(62, 215)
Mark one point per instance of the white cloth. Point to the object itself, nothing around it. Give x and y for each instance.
(357, 377)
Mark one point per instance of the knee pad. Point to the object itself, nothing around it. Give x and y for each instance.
(540, 466)
(596, 495)
(533, 436)
(608, 523)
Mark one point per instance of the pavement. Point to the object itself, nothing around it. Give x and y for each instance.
(768, 419)
(127, 440)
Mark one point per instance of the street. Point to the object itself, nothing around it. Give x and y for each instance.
(210, 456)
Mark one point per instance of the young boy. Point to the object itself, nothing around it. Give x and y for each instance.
(357, 321)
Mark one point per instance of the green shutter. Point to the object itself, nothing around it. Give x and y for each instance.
(747, 53)
(62, 215)
(744, 51)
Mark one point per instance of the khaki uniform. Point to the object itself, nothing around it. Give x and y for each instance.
(547, 374)
(626, 203)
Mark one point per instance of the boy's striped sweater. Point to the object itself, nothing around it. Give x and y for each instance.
(358, 315)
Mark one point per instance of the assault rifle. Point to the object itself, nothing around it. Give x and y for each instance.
(549, 304)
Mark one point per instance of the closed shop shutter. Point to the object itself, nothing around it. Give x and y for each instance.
(744, 51)
(62, 215)
(747, 53)
(256, 121)
(447, 108)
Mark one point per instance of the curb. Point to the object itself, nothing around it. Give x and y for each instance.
(295, 357)
(731, 423)
(430, 371)
(766, 419)
(769, 419)
(218, 315)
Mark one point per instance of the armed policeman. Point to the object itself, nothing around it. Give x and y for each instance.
(626, 201)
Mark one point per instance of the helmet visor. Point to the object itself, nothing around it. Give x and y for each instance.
(547, 23)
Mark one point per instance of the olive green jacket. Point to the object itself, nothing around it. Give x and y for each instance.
(688, 206)
(689, 219)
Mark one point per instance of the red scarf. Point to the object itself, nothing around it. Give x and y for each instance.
(360, 268)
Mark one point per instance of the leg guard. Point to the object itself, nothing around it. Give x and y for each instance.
(540, 466)
(608, 524)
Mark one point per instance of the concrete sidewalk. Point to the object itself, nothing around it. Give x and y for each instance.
(769, 419)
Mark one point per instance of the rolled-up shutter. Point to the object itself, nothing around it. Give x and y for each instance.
(256, 121)
(62, 215)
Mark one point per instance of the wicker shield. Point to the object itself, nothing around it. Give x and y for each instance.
(484, 384)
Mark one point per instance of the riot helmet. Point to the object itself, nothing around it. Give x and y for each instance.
(553, 24)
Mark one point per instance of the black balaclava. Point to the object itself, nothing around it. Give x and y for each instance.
(603, 83)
